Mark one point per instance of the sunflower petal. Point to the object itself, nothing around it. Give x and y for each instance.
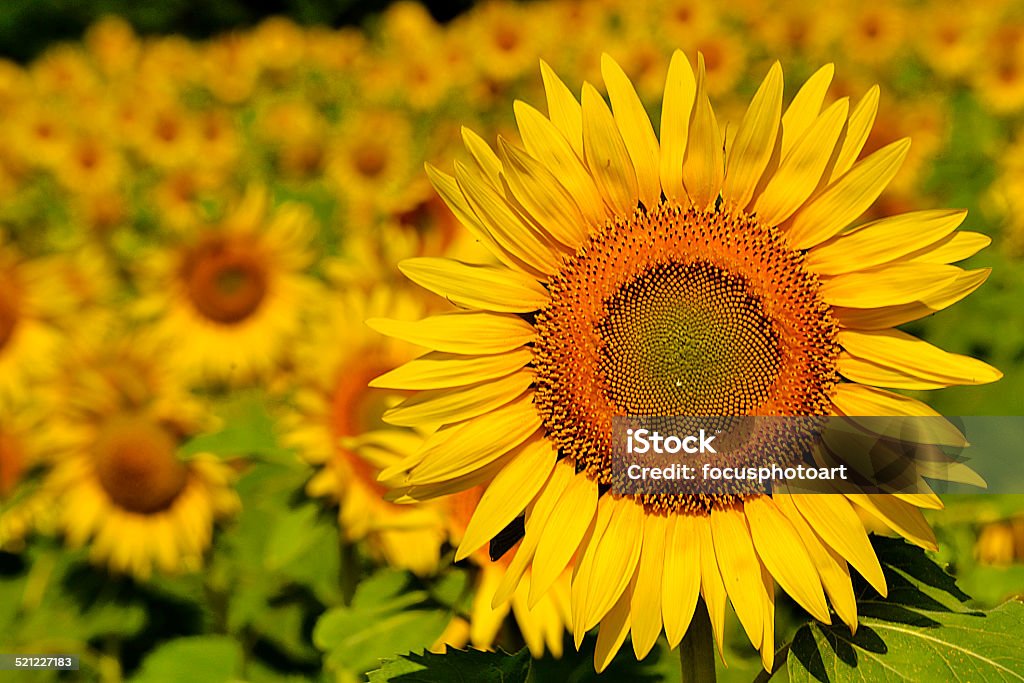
(462, 333)
(955, 247)
(504, 224)
(901, 517)
(607, 564)
(560, 539)
(476, 286)
(486, 160)
(857, 131)
(614, 628)
(865, 372)
(563, 109)
(888, 285)
(849, 196)
(647, 596)
(439, 370)
(543, 196)
(451, 194)
(805, 107)
(680, 89)
(892, 316)
(703, 164)
(508, 494)
(635, 127)
(754, 141)
(784, 555)
(740, 568)
(712, 586)
(882, 241)
(903, 352)
(606, 155)
(837, 524)
(546, 143)
(681, 578)
(798, 174)
(446, 406)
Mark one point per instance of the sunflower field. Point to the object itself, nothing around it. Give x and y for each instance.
(313, 332)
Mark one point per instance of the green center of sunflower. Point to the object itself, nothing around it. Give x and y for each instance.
(687, 339)
(673, 312)
(226, 281)
(136, 464)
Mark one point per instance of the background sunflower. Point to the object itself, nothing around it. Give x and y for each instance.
(202, 209)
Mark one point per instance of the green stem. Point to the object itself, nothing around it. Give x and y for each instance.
(697, 651)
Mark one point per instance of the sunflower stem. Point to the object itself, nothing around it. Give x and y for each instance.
(697, 651)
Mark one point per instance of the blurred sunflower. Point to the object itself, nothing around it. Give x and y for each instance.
(122, 487)
(336, 425)
(657, 278)
(232, 296)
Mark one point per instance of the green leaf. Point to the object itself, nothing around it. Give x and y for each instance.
(939, 646)
(200, 659)
(358, 639)
(456, 665)
(249, 430)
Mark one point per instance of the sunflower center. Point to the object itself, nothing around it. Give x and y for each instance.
(673, 312)
(687, 339)
(370, 160)
(137, 466)
(226, 282)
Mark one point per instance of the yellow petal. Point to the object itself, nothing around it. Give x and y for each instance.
(740, 568)
(476, 286)
(888, 285)
(837, 524)
(563, 109)
(903, 518)
(450, 192)
(956, 247)
(635, 128)
(703, 165)
(606, 155)
(486, 620)
(546, 143)
(857, 400)
(486, 160)
(913, 356)
(712, 586)
(754, 141)
(445, 406)
(607, 563)
(784, 555)
(681, 579)
(561, 538)
(865, 372)
(891, 316)
(847, 197)
(857, 131)
(767, 645)
(882, 241)
(464, 333)
(832, 569)
(460, 448)
(804, 108)
(798, 174)
(647, 596)
(536, 521)
(614, 628)
(543, 196)
(439, 370)
(680, 89)
(513, 233)
(508, 494)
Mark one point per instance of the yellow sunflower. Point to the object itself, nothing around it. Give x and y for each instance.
(123, 489)
(657, 277)
(336, 425)
(232, 296)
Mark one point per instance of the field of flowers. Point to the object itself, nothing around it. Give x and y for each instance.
(202, 478)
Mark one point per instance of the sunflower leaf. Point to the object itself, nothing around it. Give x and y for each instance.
(456, 665)
(915, 647)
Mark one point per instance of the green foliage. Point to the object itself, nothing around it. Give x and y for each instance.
(200, 659)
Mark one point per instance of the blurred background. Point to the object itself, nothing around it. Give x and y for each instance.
(200, 204)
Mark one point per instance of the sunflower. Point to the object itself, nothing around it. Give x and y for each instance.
(122, 487)
(650, 277)
(232, 296)
(336, 425)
